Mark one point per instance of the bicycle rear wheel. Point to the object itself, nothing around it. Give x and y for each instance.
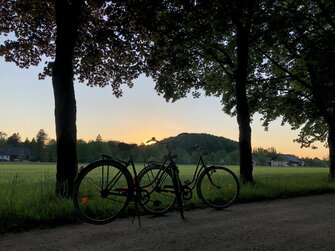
(157, 192)
(102, 190)
(218, 187)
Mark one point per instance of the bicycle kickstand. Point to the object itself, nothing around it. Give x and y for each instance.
(137, 214)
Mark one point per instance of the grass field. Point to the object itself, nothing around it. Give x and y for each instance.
(27, 191)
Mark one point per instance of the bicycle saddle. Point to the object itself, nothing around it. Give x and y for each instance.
(126, 147)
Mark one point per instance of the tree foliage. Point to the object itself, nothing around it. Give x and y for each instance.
(298, 71)
(107, 52)
(14, 140)
(206, 45)
(90, 41)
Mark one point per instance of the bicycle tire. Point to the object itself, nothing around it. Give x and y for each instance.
(102, 191)
(177, 186)
(156, 199)
(218, 187)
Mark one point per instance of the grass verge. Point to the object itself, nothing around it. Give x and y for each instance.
(27, 198)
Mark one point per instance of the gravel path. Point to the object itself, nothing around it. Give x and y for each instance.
(305, 223)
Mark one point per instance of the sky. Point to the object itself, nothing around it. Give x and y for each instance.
(27, 105)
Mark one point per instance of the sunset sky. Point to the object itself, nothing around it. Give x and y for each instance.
(27, 105)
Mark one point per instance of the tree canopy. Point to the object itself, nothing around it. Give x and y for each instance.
(90, 41)
(272, 57)
(107, 52)
(298, 71)
(206, 45)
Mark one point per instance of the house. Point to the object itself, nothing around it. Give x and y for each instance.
(285, 160)
(15, 153)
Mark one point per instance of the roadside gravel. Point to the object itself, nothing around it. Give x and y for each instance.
(305, 223)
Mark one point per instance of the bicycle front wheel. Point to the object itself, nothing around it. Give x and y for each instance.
(157, 191)
(102, 190)
(218, 187)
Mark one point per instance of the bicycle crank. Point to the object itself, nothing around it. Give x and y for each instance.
(186, 192)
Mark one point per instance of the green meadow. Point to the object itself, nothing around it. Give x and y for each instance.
(27, 196)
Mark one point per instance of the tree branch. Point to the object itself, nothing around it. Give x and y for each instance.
(294, 77)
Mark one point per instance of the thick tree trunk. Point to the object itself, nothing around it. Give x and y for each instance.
(331, 145)
(67, 19)
(242, 106)
(328, 114)
(65, 115)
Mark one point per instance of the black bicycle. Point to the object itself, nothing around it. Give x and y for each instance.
(161, 182)
(216, 186)
(104, 188)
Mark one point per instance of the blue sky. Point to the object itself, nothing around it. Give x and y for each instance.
(27, 105)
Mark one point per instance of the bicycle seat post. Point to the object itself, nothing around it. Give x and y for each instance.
(137, 194)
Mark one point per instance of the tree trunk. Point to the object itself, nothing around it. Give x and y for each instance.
(242, 106)
(67, 19)
(328, 115)
(65, 115)
(331, 145)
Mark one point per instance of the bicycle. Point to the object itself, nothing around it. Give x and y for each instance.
(217, 186)
(162, 179)
(104, 188)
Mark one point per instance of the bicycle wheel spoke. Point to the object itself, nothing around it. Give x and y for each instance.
(90, 180)
(113, 182)
(120, 201)
(102, 192)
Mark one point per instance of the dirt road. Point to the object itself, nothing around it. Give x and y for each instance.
(306, 223)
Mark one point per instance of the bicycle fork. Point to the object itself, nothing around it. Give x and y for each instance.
(177, 187)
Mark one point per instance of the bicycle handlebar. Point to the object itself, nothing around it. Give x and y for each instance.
(199, 149)
(153, 139)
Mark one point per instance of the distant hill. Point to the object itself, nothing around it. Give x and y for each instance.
(208, 142)
(220, 150)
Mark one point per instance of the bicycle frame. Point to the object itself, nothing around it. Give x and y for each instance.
(157, 183)
(168, 164)
(171, 164)
(200, 167)
(197, 173)
(125, 165)
(130, 163)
